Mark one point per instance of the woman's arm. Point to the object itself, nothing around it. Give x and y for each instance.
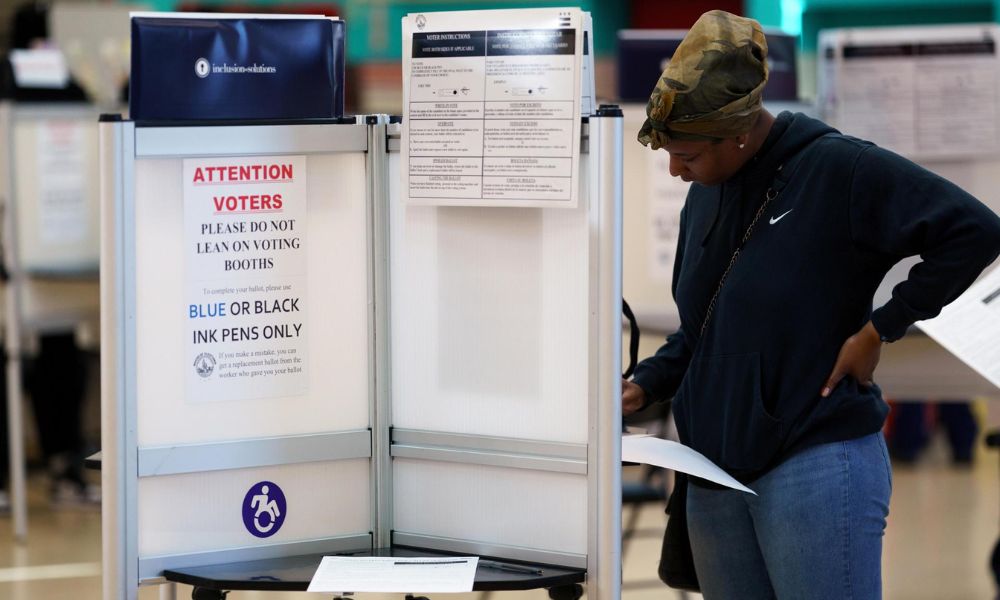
(900, 209)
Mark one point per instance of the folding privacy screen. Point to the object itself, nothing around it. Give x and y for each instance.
(339, 370)
(50, 195)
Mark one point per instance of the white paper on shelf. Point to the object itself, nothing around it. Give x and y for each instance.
(969, 327)
(440, 574)
(671, 455)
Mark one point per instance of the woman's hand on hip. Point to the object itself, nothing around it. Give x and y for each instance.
(858, 358)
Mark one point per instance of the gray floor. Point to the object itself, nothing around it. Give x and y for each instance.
(942, 527)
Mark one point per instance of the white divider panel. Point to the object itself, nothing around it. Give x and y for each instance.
(489, 319)
(336, 309)
(57, 189)
(492, 337)
(194, 512)
(510, 507)
(651, 221)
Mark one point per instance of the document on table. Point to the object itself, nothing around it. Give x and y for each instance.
(399, 574)
(671, 455)
(492, 103)
(969, 327)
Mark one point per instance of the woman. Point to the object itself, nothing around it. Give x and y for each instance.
(787, 231)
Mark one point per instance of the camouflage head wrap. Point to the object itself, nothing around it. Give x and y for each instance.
(712, 87)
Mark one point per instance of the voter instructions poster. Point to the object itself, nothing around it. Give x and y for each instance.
(245, 277)
(62, 181)
(493, 106)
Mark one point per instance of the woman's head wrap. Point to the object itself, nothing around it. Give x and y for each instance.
(712, 87)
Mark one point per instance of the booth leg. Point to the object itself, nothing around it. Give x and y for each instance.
(566, 592)
(200, 593)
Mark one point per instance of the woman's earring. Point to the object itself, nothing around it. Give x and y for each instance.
(741, 146)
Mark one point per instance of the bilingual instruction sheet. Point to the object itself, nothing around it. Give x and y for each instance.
(924, 91)
(492, 103)
(245, 277)
(443, 574)
(969, 327)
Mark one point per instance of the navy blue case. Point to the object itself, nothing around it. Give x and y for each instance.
(236, 68)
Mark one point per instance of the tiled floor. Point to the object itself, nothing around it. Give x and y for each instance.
(942, 528)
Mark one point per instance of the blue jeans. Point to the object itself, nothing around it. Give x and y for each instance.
(814, 531)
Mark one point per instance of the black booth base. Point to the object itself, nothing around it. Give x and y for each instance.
(293, 573)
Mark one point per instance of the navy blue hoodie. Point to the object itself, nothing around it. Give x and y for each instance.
(747, 395)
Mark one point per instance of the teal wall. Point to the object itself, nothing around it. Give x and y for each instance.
(373, 26)
(814, 15)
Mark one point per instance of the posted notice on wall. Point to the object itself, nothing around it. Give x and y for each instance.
(969, 327)
(925, 92)
(245, 276)
(666, 199)
(492, 102)
(62, 165)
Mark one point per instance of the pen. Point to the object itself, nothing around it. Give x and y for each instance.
(430, 562)
(509, 568)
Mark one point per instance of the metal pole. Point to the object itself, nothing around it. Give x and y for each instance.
(12, 314)
(378, 215)
(605, 174)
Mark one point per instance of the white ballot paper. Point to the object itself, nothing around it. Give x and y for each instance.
(671, 455)
(399, 574)
(492, 103)
(969, 327)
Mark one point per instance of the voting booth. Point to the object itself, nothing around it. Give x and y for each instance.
(50, 188)
(300, 362)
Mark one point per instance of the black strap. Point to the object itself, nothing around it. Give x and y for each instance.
(633, 339)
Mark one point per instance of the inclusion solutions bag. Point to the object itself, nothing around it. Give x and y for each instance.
(193, 66)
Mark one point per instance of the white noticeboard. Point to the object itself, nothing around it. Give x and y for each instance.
(244, 223)
(666, 199)
(924, 92)
(492, 115)
(63, 179)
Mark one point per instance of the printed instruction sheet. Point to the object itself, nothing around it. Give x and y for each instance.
(492, 103)
(969, 327)
(442, 574)
(245, 274)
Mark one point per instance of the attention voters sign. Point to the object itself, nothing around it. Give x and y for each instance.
(245, 277)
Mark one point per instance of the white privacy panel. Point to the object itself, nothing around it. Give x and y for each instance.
(196, 512)
(513, 507)
(652, 202)
(489, 319)
(336, 393)
(57, 190)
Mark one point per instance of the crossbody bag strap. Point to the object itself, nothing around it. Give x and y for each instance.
(770, 195)
(782, 176)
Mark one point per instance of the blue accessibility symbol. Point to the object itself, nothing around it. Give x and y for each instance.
(264, 509)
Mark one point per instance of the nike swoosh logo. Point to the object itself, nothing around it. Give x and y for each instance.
(776, 219)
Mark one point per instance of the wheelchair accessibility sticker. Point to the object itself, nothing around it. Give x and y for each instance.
(264, 509)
